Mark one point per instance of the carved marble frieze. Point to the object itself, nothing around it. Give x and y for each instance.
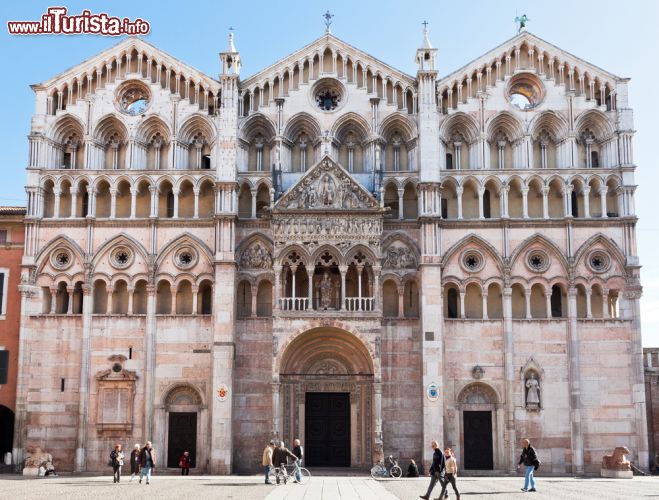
(327, 186)
(343, 230)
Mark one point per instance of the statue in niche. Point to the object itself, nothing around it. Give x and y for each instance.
(327, 191)
(532, 385)
(326, 291)
(310, 197)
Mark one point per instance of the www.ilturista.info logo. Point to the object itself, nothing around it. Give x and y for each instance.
(56, 22)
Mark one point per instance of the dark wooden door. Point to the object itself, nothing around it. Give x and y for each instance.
(477, 427)
(327, 429)
(182, 437)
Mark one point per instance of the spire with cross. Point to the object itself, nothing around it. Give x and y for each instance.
(328, 21)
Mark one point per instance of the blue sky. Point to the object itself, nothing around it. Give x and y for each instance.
(620, 37)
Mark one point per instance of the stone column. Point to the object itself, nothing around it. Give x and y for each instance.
(545, 202)
(254, 290)
(343, 270)
(131, 293)
(548, 299)
(462, 305)
(589, 293)
(53, 300)
(175, 193)
(69, 291)
(510, 431)
(377, 405)
(277, 292)
(150, 362)
(310, 272)
(401, 192)
(602, 192)
(459, 198)
(606, 313)
(276, 413)
(254, 193)
(133, 202)
(485, 306)
(195, 299)
(525, 202)
(574, 382)
(80, 464)
(401, 304)
(586, 202)
(527, 297)
(196, 203)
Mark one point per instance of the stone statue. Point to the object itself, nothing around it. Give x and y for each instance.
(310, 197)
(532, 392)
(616, 465)
(326, 291)
(327, 191)
(35, 459)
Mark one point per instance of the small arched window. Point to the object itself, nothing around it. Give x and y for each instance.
(452, 299)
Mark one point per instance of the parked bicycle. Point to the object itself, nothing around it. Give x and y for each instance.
(379, 470)
(288, 472)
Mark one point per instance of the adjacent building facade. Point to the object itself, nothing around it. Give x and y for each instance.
(334, 250)
(11, 253)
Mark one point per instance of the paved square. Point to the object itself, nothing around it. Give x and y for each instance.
(321, 488)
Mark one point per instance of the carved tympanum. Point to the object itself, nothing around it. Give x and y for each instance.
(256, 256)
(399, 257)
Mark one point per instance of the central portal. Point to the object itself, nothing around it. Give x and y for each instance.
(327, 429)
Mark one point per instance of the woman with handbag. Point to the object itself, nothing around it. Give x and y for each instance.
(117, 462)
(184, 463)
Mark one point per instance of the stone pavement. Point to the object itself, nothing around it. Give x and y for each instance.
(321, 488)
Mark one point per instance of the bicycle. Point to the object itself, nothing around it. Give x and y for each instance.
(289, 471)
(379, 470)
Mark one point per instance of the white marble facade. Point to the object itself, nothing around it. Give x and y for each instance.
(456, 254)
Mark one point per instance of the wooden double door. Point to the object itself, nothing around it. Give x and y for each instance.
(327, 429)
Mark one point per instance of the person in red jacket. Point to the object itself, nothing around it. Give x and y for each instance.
(184, 463)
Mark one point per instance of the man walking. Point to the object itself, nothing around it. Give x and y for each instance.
(451, 473)
(530, 460)
(436, 469)
(280, 457)
(298, 451)
(267, 460)
(148, 461)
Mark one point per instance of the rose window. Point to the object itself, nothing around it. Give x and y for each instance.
(121, 257)
(598, 262)
(133, 98)
(328, 100)
(537, 261)
(472, 261)
(61, 258)
(185, 258)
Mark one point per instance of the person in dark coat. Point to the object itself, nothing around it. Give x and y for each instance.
(280, 457)
(147, 462)
(135, 461)
(412, 469)
(529, 458)
(436, 469)
(117, 461)
(184, 463)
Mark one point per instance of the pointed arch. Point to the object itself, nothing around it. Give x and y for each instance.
(460, 124)
(65, 126)
(195, 125)
(398, 122)
(595, 121)
(184, 239)
(255, 124)
(119, 239)
(538, 238)
(62, 240)
(552, 122)
(351, 122)
(150, 127)
(302, 122)
(504, 122)
(108, 126)
(613, 249)
(476, 240)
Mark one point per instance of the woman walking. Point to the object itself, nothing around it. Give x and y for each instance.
(117, 462)
(451, 473)
(184, 463)
(135, 461)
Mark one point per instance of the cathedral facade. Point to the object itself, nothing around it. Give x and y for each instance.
(336, 251)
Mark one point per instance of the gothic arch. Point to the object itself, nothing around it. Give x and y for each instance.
(185, 239)
(302, 122)
(305, 258)
(610, 245)
(194, 124)
(107, 126)
(254, 238)
(121, 238)
(351, 122)
(461, 123)
(61, 128)
(151, 126)
(65, 241)
(552, 122)
(473, 240)
(398, 121)
(597, 122)
(403, 238)
(507, 123)
(257, 123)
(545, 243)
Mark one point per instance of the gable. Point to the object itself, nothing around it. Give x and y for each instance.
(129, 46)
(338, 48)
(327, 187)
(540, 47)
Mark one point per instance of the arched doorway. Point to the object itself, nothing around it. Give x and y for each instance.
(481, 421)
(6, 430)
(327, 398)
(184, 425)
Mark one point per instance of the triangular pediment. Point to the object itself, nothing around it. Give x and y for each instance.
(539, 46)
(127, 46)
(327, 187)
(337, 46)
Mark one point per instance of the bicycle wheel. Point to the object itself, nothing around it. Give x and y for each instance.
(272, 475)
(376, 471)
(305, 475)
(396, 472)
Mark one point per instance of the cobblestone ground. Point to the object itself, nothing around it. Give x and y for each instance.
(320, 488)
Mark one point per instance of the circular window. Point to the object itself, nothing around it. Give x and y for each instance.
(61, 258)
(121, 257)
(537, 261)
(116, 368)
(525, 91)
(185, 258)
(598, 262)
(133, 98)
(472, 261)
(328, 94)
